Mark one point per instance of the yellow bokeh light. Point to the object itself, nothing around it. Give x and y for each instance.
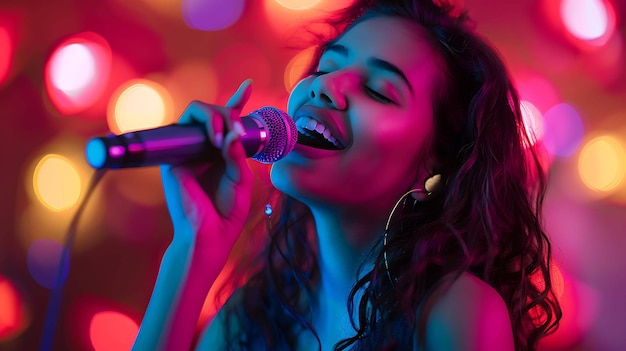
(35, 220)
(290, 19)
(298, 4)
(297, 66)
(167, 7)
(56, 182)
(139, 104)
(602, 163)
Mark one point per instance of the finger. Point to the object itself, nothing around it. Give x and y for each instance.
(199, 112)
(237, 102)
(234, 156)
(237, 179)
(241, 96)
(186, 194)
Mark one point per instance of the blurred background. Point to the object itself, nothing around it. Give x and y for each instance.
(74, 69)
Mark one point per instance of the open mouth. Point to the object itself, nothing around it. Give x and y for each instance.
(316, 140)
(315, 134)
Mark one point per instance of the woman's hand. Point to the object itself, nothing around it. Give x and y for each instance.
(209, 202)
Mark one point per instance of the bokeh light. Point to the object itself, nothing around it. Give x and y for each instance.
(166, 7)
(287, 22)
(592, 21)
(602, 163)
(533, 121)
(579, 304)
(139, 104)
(192, 80)
(298, 4)
(112, 331)
(6, 54)
(211, 15)
(72, 68)
(297, 67)
(95, 322)
(536, 88)
(37, 220)
(43, 260)
(563, 130)
(12, 316)
(56, 182)
(77, 72)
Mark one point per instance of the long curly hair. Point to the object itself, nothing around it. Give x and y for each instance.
(485, 218)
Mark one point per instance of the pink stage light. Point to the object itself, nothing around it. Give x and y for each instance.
(589, 21)
(77, 72)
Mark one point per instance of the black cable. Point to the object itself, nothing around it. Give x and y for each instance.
(54, 305)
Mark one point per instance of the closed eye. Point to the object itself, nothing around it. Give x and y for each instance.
(318, 73)
(378, 96)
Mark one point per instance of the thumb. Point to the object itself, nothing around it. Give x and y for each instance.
(241, 96)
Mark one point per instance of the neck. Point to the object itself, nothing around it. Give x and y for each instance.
(344, 242)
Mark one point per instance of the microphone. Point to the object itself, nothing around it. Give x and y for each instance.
(269, 135)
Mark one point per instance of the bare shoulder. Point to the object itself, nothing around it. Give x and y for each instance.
(469, 315)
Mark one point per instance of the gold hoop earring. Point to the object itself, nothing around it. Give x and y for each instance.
(386, 234)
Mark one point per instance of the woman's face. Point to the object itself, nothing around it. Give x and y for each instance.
(371, 102)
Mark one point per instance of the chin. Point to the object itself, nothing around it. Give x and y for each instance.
(280, 179)
(283, 178)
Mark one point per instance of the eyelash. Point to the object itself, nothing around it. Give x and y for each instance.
(373, 93)
(378, 96)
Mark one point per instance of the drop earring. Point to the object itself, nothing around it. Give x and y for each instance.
(430, 185)
(386, 233)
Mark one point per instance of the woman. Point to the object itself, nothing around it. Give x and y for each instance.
(411, 205)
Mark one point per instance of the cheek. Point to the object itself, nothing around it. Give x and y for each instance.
(299, 95)
(390, 149)
(389, 136)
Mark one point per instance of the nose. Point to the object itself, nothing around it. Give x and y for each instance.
(332, 89)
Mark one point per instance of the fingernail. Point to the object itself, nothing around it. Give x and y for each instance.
(238, 128)
(219, 139)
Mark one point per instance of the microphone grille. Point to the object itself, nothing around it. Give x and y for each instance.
(282, 134)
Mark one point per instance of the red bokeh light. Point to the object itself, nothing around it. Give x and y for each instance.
(100, 324)
(10, 37)
(112, 331)
(12, 310)
(6, 53)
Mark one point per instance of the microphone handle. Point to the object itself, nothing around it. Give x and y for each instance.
(171, 144)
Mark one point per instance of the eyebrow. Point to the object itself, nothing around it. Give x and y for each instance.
(372, 61)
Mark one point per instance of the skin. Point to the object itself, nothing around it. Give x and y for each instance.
(384, 121)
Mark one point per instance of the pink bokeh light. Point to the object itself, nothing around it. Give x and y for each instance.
(77, 72)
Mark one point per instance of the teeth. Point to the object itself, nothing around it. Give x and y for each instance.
(309, 123)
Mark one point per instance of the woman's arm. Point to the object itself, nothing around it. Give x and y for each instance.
(172, 274)
(208, 204)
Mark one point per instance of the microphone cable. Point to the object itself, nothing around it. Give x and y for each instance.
(54, 305)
